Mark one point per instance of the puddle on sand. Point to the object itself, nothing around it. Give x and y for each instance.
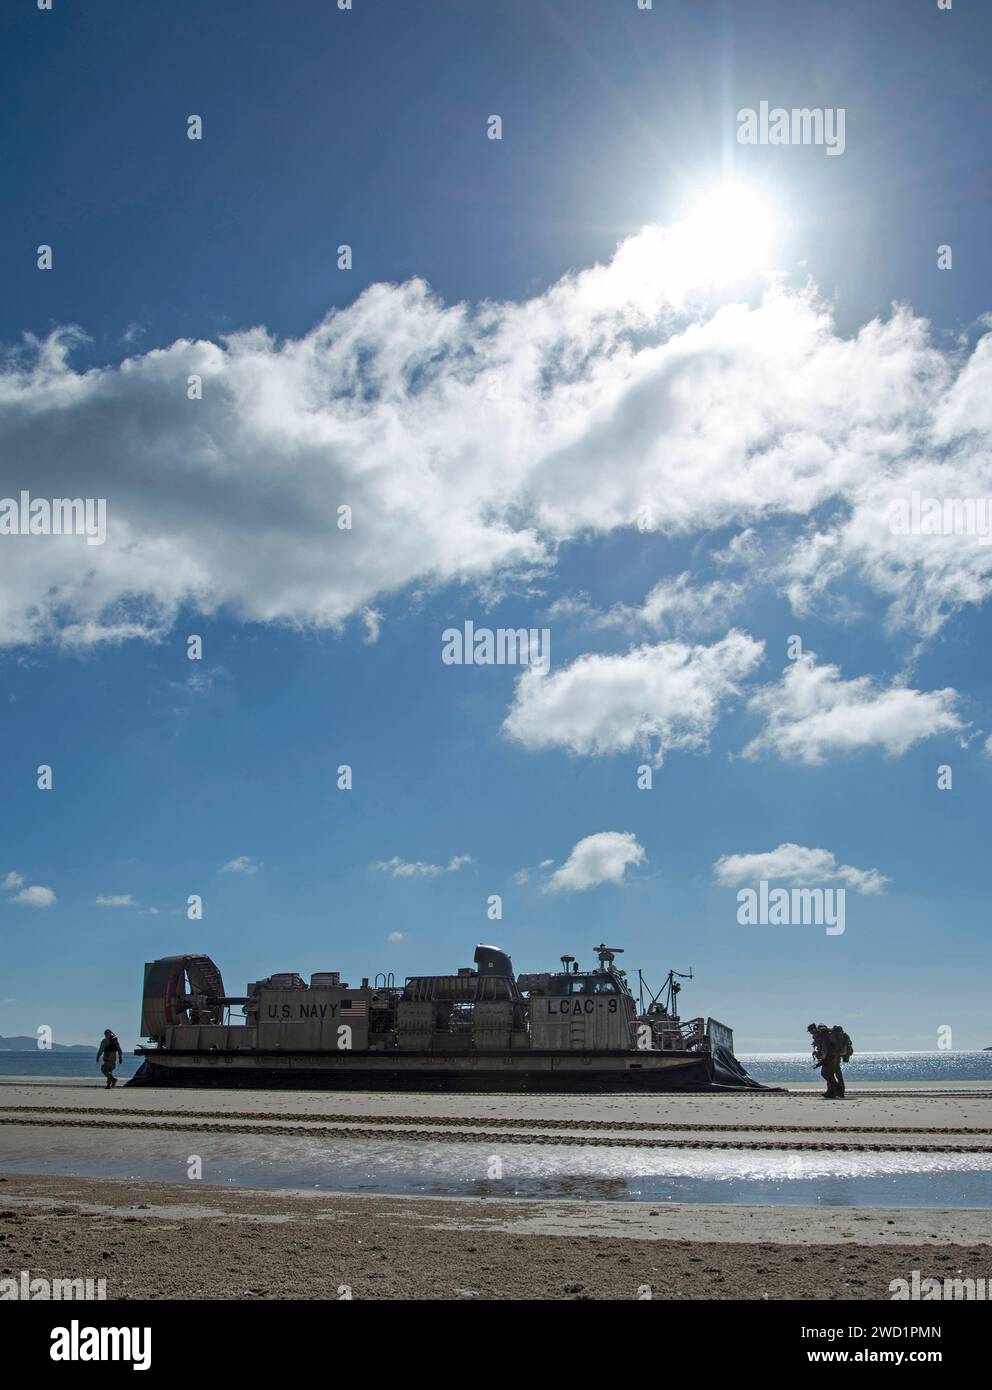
(752, 1177)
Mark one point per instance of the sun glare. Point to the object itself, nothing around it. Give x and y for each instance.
(728, 233)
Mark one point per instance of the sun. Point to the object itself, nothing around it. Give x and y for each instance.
(728, 233)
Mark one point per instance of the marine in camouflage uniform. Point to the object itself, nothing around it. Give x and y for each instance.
(826, 1055)
(109, 1056)
(838, 1055)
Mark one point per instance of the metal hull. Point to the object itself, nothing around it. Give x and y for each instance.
(532, 1071)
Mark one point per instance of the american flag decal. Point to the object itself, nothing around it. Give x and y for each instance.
(352, 1008)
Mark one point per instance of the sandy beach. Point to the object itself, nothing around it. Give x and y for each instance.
(195, 1239)
(188, 1242)
(937, 1117)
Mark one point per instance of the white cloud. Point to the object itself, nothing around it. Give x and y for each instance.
(242, 865)
(813, 712)
(657, 698)
(201, 682)
(939, 448)
(600, 858)
(743, 550)
(13, 880)
(116, 900)
(395, 936)
(35, 896)
(401, 868)
(795, 864)
(373, 625)
(674, 606)
(707, 418)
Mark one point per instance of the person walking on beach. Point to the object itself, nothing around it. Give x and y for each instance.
(109, 1056)
(826, 1056)
(841, 1050)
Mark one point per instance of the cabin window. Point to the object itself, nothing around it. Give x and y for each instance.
(569, 984)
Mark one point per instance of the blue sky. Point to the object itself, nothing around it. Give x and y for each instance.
(764, 424)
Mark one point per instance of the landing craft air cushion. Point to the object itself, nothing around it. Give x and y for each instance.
(482, 1029)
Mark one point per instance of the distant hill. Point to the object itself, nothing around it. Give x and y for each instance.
(29, 1044)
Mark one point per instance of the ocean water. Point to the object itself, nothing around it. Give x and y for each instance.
(796, 1068)
(773, 1068)
(76, 1064)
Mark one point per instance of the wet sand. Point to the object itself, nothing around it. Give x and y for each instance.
(909, 1119)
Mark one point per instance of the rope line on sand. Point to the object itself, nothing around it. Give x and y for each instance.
(492, 1122)
(435, 1136)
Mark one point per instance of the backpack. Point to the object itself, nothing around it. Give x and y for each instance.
(842, 1042)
